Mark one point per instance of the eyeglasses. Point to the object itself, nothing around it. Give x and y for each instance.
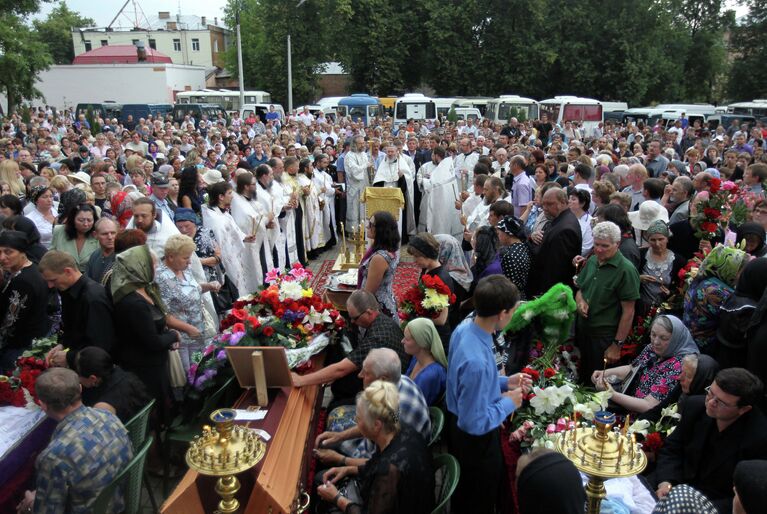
(717, 401)
(358, 316)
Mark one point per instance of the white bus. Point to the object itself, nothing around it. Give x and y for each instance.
(586, 111)
(500, 109)
(229, 100)
(478, 102)
(329, 105)
(414, 106)
(757, 108)
(443, 106)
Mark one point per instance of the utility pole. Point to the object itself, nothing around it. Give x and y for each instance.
(239, 58)
(290, 79)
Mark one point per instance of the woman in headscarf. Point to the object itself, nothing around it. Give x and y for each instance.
(753, 234)
(736, 313)
(428, 367)
(708, 291)
(658, 267)
(750, 481)
(515, 254)
(756, 331)
(651, 377)
(35, 250)
(454, 260)
(698, 371)
(142, 332)
(548, 482)
(121, 205)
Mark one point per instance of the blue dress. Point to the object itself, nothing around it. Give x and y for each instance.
(431, 380)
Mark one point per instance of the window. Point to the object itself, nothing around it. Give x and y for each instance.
(104, 42)
(88, 46)
(196, 45)
(153, 44)
(176, 45)
(215, 45)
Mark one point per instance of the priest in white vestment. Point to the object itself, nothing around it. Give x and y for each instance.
(357, 167)
(231, 239)
(252, 219)
(463, 164)
(323, 182)
(270, 197)
(441, 190)
(310, 205)
(395, 172)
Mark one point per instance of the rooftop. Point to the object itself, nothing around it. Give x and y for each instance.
(163, 20)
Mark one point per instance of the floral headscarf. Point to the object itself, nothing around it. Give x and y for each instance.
(122, 208)
(724, 263)
(452, 257)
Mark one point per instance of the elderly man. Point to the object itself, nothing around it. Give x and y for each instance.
(87, 450)
(716, 432)
(440, 189)
(501, 163)
(656, 163)
(353, 448)
(396, 172)
(380, 331)
(555, 248)
(609, 288)
(86, 311)
(464, 162)
(160, 190)
(520, 185)
(678, 200)
(636, 176)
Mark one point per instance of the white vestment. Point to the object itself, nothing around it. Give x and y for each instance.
(463, 166)
(442, 190)
(271, 201)
(388, 173)
(229, 237)
(251, 218)
(312, 220)
(357, 178)
(323, 181)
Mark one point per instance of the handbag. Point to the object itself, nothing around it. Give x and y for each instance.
(226, 296)
(176, 369)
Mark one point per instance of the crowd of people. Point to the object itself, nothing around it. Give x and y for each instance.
(130, 243)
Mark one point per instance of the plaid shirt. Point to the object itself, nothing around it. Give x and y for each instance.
(413, 411)
(384, 332)
(87, 450)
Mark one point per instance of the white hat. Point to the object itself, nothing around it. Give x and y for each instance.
(159, 155)
(649, 211)
(80, 176)
(211, 177)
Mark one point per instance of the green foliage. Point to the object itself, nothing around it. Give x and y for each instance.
(748, 78)
(23, 56)
(452, 117)
(92, 120)
(56, 31)
(26, 115)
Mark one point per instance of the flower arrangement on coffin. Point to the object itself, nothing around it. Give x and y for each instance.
(18, 387)
(286, 313)
(426, 299)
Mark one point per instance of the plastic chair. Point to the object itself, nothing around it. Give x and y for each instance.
(179, 432)
(136, 427)
(451, 472)
(130, 475)
(437, 423)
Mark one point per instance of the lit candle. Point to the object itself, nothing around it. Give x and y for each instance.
(604, 369)
(633, 445)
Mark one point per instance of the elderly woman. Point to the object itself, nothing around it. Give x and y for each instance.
(651, 377)
(378, 265)
(398, 477)
(182, 295)
(428, 367)
(514, 252)
(579, 203)
(43, 215)
(711, 287)
(76, 236)
(658, 267)
(754, 236)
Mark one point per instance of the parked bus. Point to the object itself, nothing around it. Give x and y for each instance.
(387, 102)
(329, 105)
(757, 108)
(478, 102)
(361, 107)
(501, 109)
(414, 106)
(587, 111)
(138, 111)
(443, 106)
(230, 100)
(104, 110)
(212, 111)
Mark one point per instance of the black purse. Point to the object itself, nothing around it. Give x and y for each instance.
(225, 297)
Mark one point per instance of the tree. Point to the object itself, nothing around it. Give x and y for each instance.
(22, 57)
(56, 31)
(748, 77)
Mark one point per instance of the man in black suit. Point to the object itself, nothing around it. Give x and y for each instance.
(553, 257)
(716, 432)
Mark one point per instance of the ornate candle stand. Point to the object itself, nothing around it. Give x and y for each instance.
(224, 451)
(601, 454)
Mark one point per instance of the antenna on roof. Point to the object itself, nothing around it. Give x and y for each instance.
(135, 16)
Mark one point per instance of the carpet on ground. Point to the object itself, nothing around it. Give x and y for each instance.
(405, 277)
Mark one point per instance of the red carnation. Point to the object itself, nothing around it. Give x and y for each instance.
(238, 327)
(239, 314)
(712, 213)
(716, 184)
(709, 227)
(268, 331)
(653, 442)
(534, 374)
(549, 372)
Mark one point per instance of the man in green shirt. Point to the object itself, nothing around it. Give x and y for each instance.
(608, 287)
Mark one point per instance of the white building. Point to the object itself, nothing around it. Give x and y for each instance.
(186, 39)
(67, 85)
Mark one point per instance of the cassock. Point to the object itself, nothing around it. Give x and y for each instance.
(230, 239)
(251, 218)
(441, 190)
(465, 162)
(388, 175)
(312, 219)
(356, 166)
(425, 170)
(271, 200)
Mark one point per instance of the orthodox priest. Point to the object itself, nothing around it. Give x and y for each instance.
(269, 196)
(314, 238)
(231, 239)
(287, 202)
(358, 174)
(395, 172)
(323, 183)
(292, 184)
(440, 189)
(252, 219)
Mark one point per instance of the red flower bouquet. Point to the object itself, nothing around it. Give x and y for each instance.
(426, 299)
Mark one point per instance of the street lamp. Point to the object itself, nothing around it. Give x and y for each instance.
(290, 69)
(238, 8)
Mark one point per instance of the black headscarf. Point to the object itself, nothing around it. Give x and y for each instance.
(753, 279)
(750, 480)
(35, 250)
(704, 374)
(752, 229)
(549, 484)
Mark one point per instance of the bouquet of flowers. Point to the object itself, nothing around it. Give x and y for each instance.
(426, 299)
(637, 337)
(656, 433)
(715, 212)
(11, 392)
(286, 313)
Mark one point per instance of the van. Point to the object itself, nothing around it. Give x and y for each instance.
(138, 111)
(465, 113)
(212, 111)
(262, 109)
(104, 110)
